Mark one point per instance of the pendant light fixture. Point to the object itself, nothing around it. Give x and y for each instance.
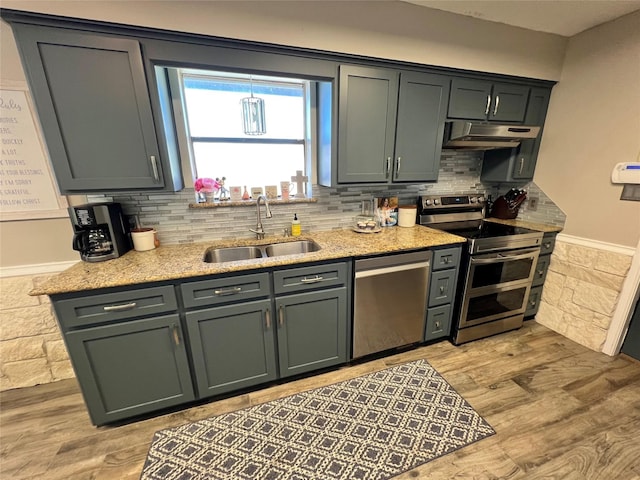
(253, 122)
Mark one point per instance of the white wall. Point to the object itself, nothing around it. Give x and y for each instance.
(593, 123)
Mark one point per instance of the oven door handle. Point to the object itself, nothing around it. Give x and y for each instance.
(507, 258)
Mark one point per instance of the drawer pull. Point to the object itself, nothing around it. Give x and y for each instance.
(119, 308)
(437, 324)
(176, 336)
(315, 279)
(442, 289)
(547, 245)
(228, 291)
(532, 303)
(280, 316)
(540, 272)
(446, 260)
(267, 318)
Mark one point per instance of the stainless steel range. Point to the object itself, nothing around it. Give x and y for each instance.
(497, 270)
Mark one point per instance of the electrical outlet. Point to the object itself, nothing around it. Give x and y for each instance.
(533, 204)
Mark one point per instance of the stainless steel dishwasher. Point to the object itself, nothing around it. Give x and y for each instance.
(390, 301)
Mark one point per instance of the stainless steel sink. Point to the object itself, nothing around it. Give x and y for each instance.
(291, 248)
(231, 254)
(234, 254)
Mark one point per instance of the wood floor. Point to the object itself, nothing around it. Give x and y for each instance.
(560, 411)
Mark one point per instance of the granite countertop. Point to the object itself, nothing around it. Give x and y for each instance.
(174, 262)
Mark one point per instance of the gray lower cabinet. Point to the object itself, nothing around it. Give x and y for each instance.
(247, 336)
(312, 317)
(127, 350)
(540, 274)
(442, 290)
(475, 99)
(232, 347)
(91, 95)
(312, 330)
(390, 125)
(519, 164)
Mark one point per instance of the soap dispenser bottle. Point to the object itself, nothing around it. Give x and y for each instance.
(295, 226)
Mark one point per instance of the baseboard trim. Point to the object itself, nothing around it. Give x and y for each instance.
(597, 244)
(35, 269)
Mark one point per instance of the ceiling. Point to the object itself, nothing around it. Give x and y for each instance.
(562, 17)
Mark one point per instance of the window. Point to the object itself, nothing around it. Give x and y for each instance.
(213, 127)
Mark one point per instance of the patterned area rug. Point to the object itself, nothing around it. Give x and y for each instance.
(371, 427)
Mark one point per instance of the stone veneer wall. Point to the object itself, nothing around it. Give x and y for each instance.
(581, 292)
(31, 348)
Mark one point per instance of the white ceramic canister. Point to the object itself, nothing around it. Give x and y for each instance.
(143, 239)
(407, 215)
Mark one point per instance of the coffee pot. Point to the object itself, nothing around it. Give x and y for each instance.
(101, 231)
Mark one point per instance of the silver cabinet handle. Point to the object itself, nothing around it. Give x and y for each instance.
(388, 165)
(437, 325)
(228, 291)
(442, 289)
(176, 335)
(486, 110)
(315, 279)
(547, 245)
(398, 165)
(532, 303)
(267, 318)
(154, 166)
(119, 308)
(280, 316)
(495, 109)
(540, 272)
(446, 260)
(521, 165)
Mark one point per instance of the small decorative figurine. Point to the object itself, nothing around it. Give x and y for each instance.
(245, 194)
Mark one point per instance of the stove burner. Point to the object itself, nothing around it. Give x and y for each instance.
(486, 229)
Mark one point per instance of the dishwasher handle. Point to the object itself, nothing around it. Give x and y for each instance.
(392, 269)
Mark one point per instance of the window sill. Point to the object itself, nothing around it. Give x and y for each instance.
(250, 203)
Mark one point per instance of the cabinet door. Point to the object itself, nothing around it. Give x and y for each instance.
(312, 330)
(131, 368)
(93, 103)
(533, 302)
(422, 109)
(525, 165)
(438, 323)
(366, 124)
(542, 267)
(443, 287)
(232, 347)
(508, 103)
(470, 99)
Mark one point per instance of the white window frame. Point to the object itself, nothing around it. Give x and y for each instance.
(185, 144)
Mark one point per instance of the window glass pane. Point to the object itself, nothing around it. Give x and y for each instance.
(248, 165)
(214, 109)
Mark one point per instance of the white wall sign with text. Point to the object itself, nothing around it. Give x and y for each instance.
(27, 189)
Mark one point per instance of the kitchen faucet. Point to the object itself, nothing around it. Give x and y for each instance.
(259, 231)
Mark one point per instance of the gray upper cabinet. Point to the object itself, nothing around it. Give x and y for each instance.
(518, 164)
(485, 100)
(390, 125)
(93, 103)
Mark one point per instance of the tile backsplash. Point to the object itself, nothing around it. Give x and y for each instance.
(335, 208)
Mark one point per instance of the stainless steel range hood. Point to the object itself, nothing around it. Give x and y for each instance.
(484, 136)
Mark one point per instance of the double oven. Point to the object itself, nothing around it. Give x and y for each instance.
(497, 269)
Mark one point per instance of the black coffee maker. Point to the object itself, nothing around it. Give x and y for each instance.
(101, 231)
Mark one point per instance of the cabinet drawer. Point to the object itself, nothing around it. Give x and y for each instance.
(540, 272)
(438, 322)
(109, 307)
(442, 288)
(309, 278)
(447, 258)
(533, 303)
(225, 290)
(548, 242)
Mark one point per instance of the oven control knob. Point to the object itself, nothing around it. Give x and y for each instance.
(428, 202)
(473, 199)
(481, 199)
(436, 201)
